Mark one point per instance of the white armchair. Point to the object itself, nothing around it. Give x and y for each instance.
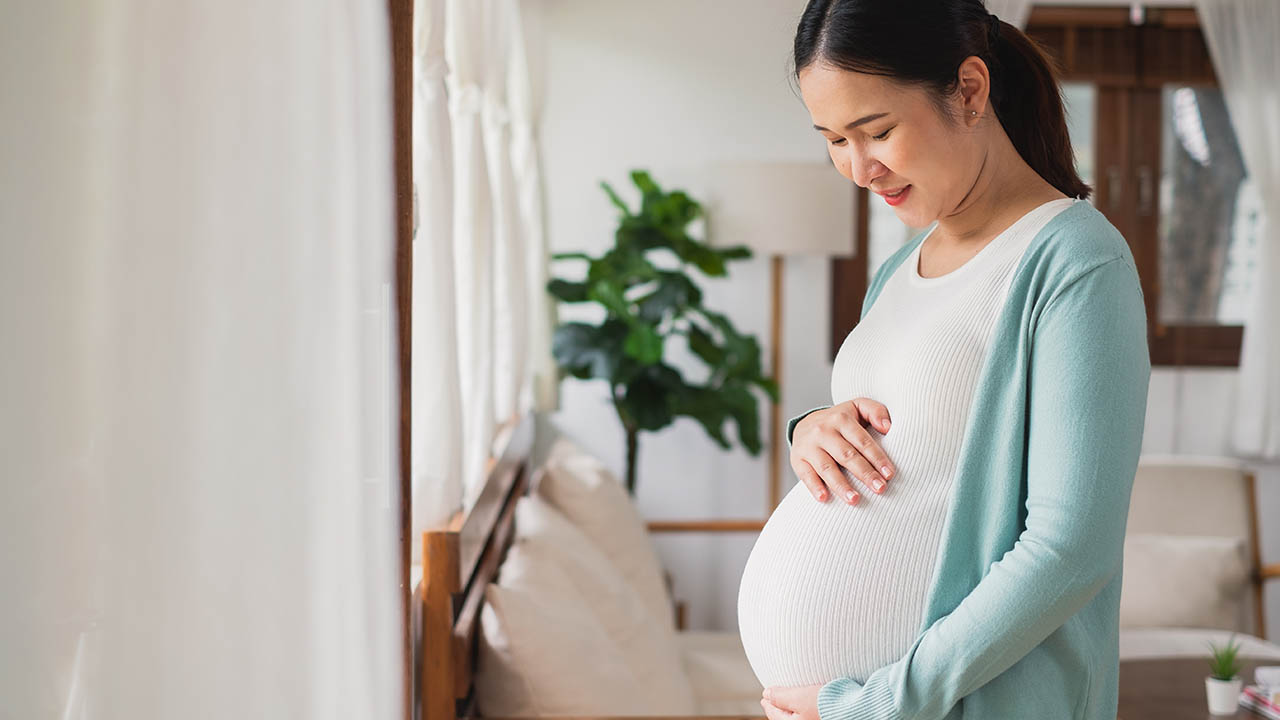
(1192, 567)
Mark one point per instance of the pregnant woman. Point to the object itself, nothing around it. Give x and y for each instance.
(953, 549)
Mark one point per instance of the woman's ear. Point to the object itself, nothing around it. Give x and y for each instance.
(974, 82)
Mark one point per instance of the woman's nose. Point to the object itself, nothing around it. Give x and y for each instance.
(864, 168)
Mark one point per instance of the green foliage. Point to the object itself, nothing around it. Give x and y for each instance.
(645, 306)
(1223, 663)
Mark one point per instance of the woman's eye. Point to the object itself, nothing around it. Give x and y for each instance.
(881, 136)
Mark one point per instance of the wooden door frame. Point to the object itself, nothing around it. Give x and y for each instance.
(400, 22)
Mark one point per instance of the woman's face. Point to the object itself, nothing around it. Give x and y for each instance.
(898, 140)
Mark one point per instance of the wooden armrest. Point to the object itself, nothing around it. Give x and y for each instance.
(635, 717)
(713, 526)
(696, 527)
(1269, 572)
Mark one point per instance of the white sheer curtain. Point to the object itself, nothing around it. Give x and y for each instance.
(509, 292)
(541, 374)
(481, 226)
(437, 403)
(197, 416)
(466, 37)
(1241, 35)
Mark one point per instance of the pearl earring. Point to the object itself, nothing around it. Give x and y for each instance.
(973, 112)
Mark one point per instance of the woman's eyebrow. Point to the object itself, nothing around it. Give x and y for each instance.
(856, 123)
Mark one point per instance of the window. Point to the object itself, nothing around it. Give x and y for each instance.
(1152, 136)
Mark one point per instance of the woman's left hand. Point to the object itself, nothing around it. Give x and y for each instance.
(791, 703)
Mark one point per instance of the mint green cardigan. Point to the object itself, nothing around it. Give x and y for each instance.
(1021, 621)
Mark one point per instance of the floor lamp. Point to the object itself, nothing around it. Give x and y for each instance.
(779, 209)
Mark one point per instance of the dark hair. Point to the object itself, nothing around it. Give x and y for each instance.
(923, 42)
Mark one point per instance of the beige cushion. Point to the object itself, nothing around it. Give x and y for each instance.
(559, 616)
(1190, 581)
(592, 498)
(1146, 643)
(722, 678)
(542, 651)
(654, 657)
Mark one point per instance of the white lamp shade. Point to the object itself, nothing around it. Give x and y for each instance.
(781, 208)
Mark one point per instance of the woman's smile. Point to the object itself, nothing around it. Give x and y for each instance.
(897, 197)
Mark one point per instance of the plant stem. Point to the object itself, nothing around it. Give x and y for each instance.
(632, 439)
(633, 436)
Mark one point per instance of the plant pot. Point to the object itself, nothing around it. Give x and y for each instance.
(1223, 695)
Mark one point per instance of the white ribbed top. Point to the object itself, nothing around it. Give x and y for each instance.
(832, 590)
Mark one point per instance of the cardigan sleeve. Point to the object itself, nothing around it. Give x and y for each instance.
(1089, 374)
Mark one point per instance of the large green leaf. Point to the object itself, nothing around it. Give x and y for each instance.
(609, 294)
(673, 210)
(644, 344)
(638, 234)
(589, 351)
(704, 346)
(621, 266)
(674, 292)
(650, 395)
(742, 352)
(769, 386)
(701, 255)
(649, 190)
(736, 252)
(566, 291)
(742, 407)
(705, 406)
(613, 198)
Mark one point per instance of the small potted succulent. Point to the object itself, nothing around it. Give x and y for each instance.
(1223, 684)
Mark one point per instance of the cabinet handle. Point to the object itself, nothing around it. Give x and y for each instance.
(1115, 189)
(1146, 190)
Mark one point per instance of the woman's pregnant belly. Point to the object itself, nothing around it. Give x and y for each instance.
(837, 590)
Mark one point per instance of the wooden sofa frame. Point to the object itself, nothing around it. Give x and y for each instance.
(459, 561)
(462, 557)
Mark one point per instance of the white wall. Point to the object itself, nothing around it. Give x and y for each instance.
(667, 85)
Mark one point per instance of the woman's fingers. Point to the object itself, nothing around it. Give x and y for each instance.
(836, 447)
(828, 474)
(773, 712)
(869, 448)
(874, 412)
(858, 467)
(811, 480)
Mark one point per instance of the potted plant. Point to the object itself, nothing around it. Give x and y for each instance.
(648, 297)
(1223, 684)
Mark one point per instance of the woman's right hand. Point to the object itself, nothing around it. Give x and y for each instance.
(826, 439)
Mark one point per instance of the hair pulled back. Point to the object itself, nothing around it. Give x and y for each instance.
(923, 42)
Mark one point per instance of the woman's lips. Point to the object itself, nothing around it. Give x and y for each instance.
(898, 199)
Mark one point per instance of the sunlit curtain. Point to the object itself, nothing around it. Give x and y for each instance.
(540, 370)
(437, 431)
(1241, 35)
(485, 326)
(198, 515)
(510, 323)
(466, 42)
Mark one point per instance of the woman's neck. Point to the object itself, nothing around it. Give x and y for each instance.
(1006, 189)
